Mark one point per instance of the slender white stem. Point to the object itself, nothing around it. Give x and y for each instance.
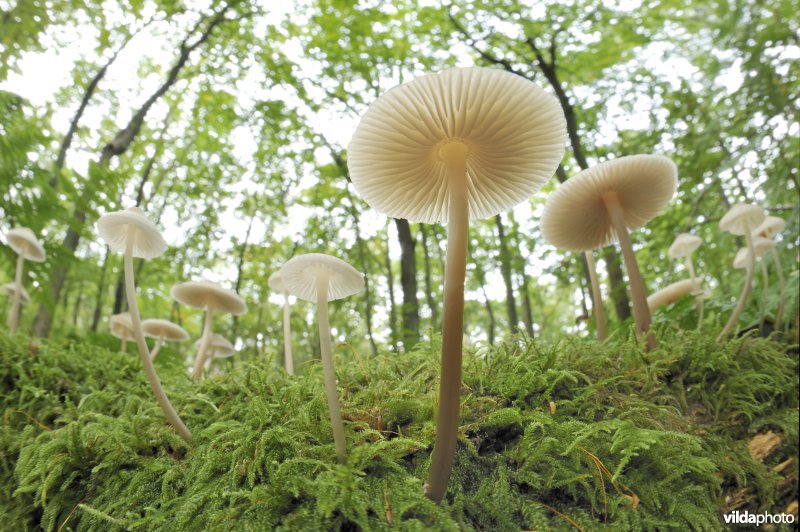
(764, 295)
(327, 368)
(200, 359)
(748, 285)
(452, 335)
(287, 335)
(16, 299)
(124, 341)
(781, 285)
(156, 348)
(697, 290)
(597, 297)
(144, 355)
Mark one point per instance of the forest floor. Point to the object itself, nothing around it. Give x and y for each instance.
(564, 436)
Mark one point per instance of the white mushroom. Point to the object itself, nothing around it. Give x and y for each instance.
(275, 282)
(670, 294)
(321, 278)
(771, 226)
(163, 330)
(27, 246)
(130, 232)
(683, 247)
(121, 327)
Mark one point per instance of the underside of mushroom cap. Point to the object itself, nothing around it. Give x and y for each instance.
(742, 218)
(771, 226)
(11, 289)
(275, 282)
(514, 133)
(208, 295)
(121, 324)
(156, 328)
(575, 216)
(113, 227)
(300, 276)
(684, 245)
(218, 346)
(669, 294)
(761, 246)
(24, 242)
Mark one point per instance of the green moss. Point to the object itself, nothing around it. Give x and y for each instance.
(633, 444)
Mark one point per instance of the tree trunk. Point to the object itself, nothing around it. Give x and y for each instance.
(523, 286)
(428, 284)
(505, 269)
(392, 309)
(101, 288)
(76, 309)
(408, 281)
(616, 282)
(490, 327)
(240, 270)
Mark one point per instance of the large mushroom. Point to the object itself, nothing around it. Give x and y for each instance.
(460, 145)
(121, 327)
(321, 278)
(771, 226)
(741, 220)
(683, 247)
(27, 246)
(163, 330)
(276, 283)
(212, 298)
(130, 232)
(601, 204)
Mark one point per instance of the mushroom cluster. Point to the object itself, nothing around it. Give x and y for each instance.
(27, 247)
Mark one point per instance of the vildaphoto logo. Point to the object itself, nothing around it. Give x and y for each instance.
(747, 518)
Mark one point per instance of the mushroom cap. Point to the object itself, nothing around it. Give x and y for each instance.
(742, 218)
(275, 282)
(771, 226)
(121, 323)
(11, 289)
(156, 328)
(301, 272)
(114, 227)
(514, 132)
(218, 346)
(208, 295)
(575, 216)
(24, 242)
(669, 294)
(761, 246)
(684, 245)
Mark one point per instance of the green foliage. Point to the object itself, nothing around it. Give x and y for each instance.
(630, 445)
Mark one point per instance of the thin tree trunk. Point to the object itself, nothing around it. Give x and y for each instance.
(119, 145)
(77, 305)
(490, 327)
(240, 269)
(505, 269)
(428, 284)
(101, 288)
(523, 275)
(392, 309)
(408, 282)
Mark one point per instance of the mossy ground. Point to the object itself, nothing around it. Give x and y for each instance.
(652, 442)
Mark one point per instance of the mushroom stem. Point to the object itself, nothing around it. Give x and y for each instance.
(156, 348)
(16, 300)
(597, 297)
(641, 313)
(764, 294)
(452, 335)
(124, 342)
(327, 367)
(144, 355)
(779, 270)
(287, 335)
(200, 359)
(748, 285)
(696, 291)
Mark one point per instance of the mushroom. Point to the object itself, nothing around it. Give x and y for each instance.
(27, 246)
(671, 293)
(321, 278)
(121, 327)
(771, 226)
(218, 347)
(761, 246)
(130, 232)
(601, 204)
(597, 296)
(275, 282)
(460, 145)
(212, 298)
(742, 219)
(163, 330)
(683, 247)
(11, 289)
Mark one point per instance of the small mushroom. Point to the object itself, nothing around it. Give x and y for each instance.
(742, 219)
(163, 330)
(761, 246)
(601, 204)
(321, 278)
(218, 347)
(683, 247)
(212, 298)
(671, 293)
(275, 282)
(459, 145)
(11, 289)
(130, 232)
(27, 246)
(121, 327)
(771, 226)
